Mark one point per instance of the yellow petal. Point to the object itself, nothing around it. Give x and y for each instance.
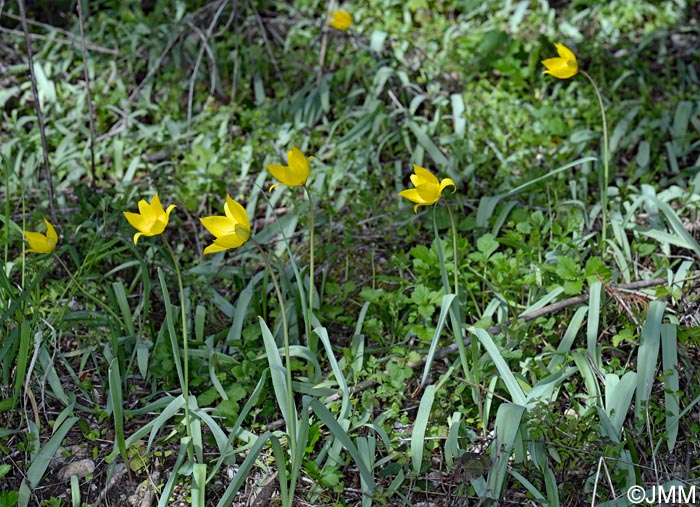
(137, 236)
(51, 236)
(563, 67)
(297, 161)
(414, 196)
(219, 226)
(447, 182)
(138, 222)
(37, 243)
(423, 176)
(213, 248)
(565, 52)
(156, 206)
(237, 212)
(287, 175)
(340, 20)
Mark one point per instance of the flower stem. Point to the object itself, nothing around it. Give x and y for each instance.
(185, 348)
(606, 168)
(292, 430)
(311, 266)
(454, 247)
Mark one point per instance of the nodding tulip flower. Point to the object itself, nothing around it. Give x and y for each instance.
(231, 231)
(563, 67)
(151, 219)
(40, 243)
(293, 175)
(428, 189)
(341, 20)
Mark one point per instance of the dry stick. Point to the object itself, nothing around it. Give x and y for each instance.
(324, 46)
(37, 105)
(91, 107)
(63, 42)
(212, 60)
(446, 351)
(263, 33)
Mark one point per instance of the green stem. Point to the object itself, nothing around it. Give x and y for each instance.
(606, 164)
(311, 254)
(454, 248)
(185, 350)
(292, 430)
(311, 339)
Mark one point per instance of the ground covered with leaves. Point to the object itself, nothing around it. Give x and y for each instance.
(527, 335)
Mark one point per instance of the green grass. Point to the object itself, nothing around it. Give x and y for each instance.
(549, 364)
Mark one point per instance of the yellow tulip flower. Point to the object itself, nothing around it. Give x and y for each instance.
(40, 243)
(231, 231)
(151, 219)
(341, 20)
(293, 175)
(428, 189)
(563, 67)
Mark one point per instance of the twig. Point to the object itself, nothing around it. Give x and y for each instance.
(212, 60)
(324, 45)
(62, 42)
(91, 107)
(39, 115)
(263, 33)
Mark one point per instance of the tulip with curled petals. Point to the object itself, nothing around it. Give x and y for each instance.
(428, 189)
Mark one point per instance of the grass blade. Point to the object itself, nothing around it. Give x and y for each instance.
(516, 393)
(669, 362)
(647, 354)
(419, 427)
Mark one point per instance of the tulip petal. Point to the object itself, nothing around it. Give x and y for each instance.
(423, 176)
(218, 225)
(235, 211)
(447, 182)
(565, 52)
(138, 222)
(37, 242)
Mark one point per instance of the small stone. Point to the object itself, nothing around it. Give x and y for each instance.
(78, 468)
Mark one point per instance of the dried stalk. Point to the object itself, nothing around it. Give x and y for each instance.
(39, 115)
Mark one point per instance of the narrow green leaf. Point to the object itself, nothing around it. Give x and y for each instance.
(446, 304)
(117, 403)
(516, 393)
(277, 373)
(41, 462)
(419, 427)
(506, 427)
(426, 142)
(669, 353)
(595, 295)
(174, 471)
(647, 354)
(199, 483)
(327, 418)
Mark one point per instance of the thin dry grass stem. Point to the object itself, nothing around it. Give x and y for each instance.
(266, 41)
(324, 44)
(91, 107)
(212, 60)
(39, 115)
(602, 464)
(69, 35)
